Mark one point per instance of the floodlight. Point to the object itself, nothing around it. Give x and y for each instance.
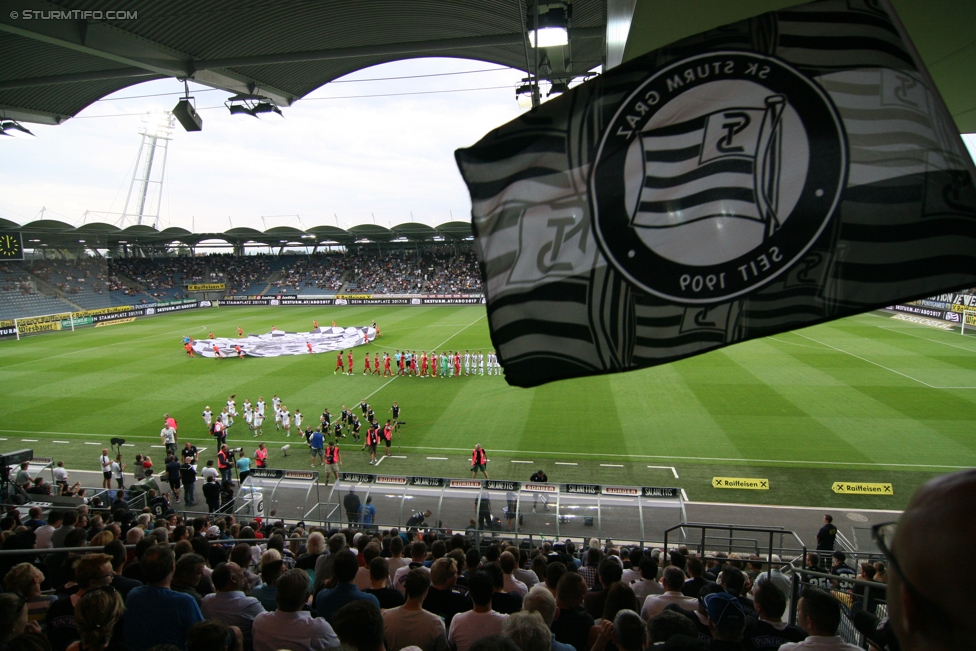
(553, 22)
(252, 105)
(14, 129)
(557, 88)
(186, 112)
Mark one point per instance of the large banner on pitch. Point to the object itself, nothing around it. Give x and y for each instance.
(277, 342)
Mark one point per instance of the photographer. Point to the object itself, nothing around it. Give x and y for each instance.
(225, 463)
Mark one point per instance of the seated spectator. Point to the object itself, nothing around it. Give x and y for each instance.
(418, 552)
(241, 554)
(769, 631)
(410, 624)
(528, 576)
(734, 581)
(25, 580)
(359, 627)
(97, 615)
(156, 614)
(271, 570)
(619, 597)
(481, 620)
(589, 570)
(90, 571)
(609, 572)
(626, 631)
(818, 614)
(13, 618)
(229, 604)
(554, 572)
(340, 590)
(510, 584)
(441, 598)
(314, 547)
(648, 584)
(528, 631)
(213, 635)
(540, 601)
(188, 575)
(370, 551)
(674, 581)
(379, 575)
(116, 549)
(695, 570)
(667, 624)
(289, 626)
(501, 601)
(572, 623)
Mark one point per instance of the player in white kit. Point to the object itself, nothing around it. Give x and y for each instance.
(467, 363)
(260, 406)
(481, 362)
(298, 419)
(232, 406)
(207, 417)
(258, 423)
(247, 405)
(286, 420)
(277, 416)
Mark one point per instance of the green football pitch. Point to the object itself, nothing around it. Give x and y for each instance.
(864, 399)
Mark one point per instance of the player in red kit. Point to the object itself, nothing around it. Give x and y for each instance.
(240, 352)
(365, 337)
(315, 324)
(217, 354)
(211, 335)
(386, 365)
(240, 333)
(457, 364)
(338, 363)
(366, 367)
(376, 363)
(403, 361)
(433, 363)
(423, 364)
(349, 358)
(413, 363)
(309, 346)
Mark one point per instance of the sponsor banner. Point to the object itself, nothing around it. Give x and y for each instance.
(115, 321)
(465, 483)
(657, 491)
(302, 475)
(277, 342)
(582, 489)
(206, 287)
(39, 327)
(389, 479)
(426, 481)
(501, 485)
(41, 461)
(83, 321)
(354, 296)
(921, 320)
(860, 488)
(357, 477)
(139, 311)
(8, 331)
(205, 303)
(266, 473)
(115, 309)
(42, 319)
(741, 483)
(626, 491)
(244, 301)
(915, 309)
(306, 301)
(465, 300)
(541, 488)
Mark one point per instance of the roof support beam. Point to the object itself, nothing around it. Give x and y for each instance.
(106, 41)
(76, 77)
(387, 49)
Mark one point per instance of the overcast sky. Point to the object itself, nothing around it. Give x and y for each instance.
(329, 160)
(350, 158)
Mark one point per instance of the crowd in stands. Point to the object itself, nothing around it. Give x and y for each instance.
(209, 584)
(14, 279)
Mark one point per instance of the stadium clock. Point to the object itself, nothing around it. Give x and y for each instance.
(11, 247)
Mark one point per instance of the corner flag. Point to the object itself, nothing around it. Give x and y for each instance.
(772, 174)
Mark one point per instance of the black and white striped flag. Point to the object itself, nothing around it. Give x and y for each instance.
(771, 174)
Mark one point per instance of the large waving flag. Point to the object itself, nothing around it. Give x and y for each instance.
(789, 169)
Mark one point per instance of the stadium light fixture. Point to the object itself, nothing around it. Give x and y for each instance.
(186, 111)
(14, 129)
(253, 105)
(558, 87)
(553, 24)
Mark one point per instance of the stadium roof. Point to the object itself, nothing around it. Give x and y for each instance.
(97, 235)
(53, 68)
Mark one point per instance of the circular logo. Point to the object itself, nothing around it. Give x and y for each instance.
(716, 174)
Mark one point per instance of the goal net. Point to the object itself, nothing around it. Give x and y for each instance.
(968, 321)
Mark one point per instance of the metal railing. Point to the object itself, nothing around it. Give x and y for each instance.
(853, 594)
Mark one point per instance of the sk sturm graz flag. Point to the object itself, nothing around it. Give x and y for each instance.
(789, 169)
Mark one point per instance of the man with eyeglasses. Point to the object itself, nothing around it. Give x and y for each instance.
(931, 604)
(92, 571)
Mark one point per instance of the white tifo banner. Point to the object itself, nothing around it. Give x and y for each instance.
(278, 342)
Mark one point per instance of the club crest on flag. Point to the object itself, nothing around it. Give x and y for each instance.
(704, 187)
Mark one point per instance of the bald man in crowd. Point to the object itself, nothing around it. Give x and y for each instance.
(931, 601)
